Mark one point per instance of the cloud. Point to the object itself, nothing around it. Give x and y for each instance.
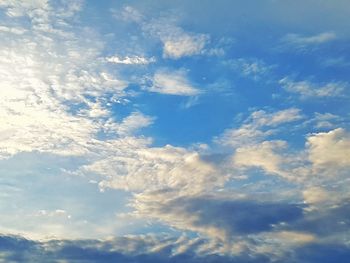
(306, 89)
(129, 125)
(259, 125)
(173, 83)
(301, 41)
(134, 60)
(326, 120)
(128, 249)
(217, 218)
(253, 68)
(315, 195)
(168, 168)
(181, 45)
(55, 86)
(329, 150)
(266, 155)
(176, 42)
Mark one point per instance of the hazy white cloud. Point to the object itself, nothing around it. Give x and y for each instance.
(131, 60)
(294, 238)
(306, 89)
(326, 120)
(253, 68)
(316, 195)
(129, 13)
(300, 40)
(173, 83)
(177, 42)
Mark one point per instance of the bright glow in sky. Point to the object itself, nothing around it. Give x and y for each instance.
(174, 131)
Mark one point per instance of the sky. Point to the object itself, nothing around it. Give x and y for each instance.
(175, 131)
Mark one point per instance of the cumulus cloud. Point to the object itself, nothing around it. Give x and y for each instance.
(329, 150)
(266, 155)
(157, 169)
(173, 83)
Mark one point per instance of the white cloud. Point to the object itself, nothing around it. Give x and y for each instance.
(156, 169)
(266, 155)
(16, 9)
(54, 86)
(257, 127)
(329, 150)
(131, 60)
(182, 44)
(128, 125)
(308, 89)
(173, 83)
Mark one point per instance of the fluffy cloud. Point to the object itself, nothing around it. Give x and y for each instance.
(157, 169)
(329, 150)
(266, 155)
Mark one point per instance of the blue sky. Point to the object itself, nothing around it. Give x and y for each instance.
(174, 131)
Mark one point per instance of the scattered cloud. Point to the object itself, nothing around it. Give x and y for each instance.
(206, 201)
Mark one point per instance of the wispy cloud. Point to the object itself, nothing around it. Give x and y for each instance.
(295, 39)
(173, 83)
(306, 89)
(134, 60)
